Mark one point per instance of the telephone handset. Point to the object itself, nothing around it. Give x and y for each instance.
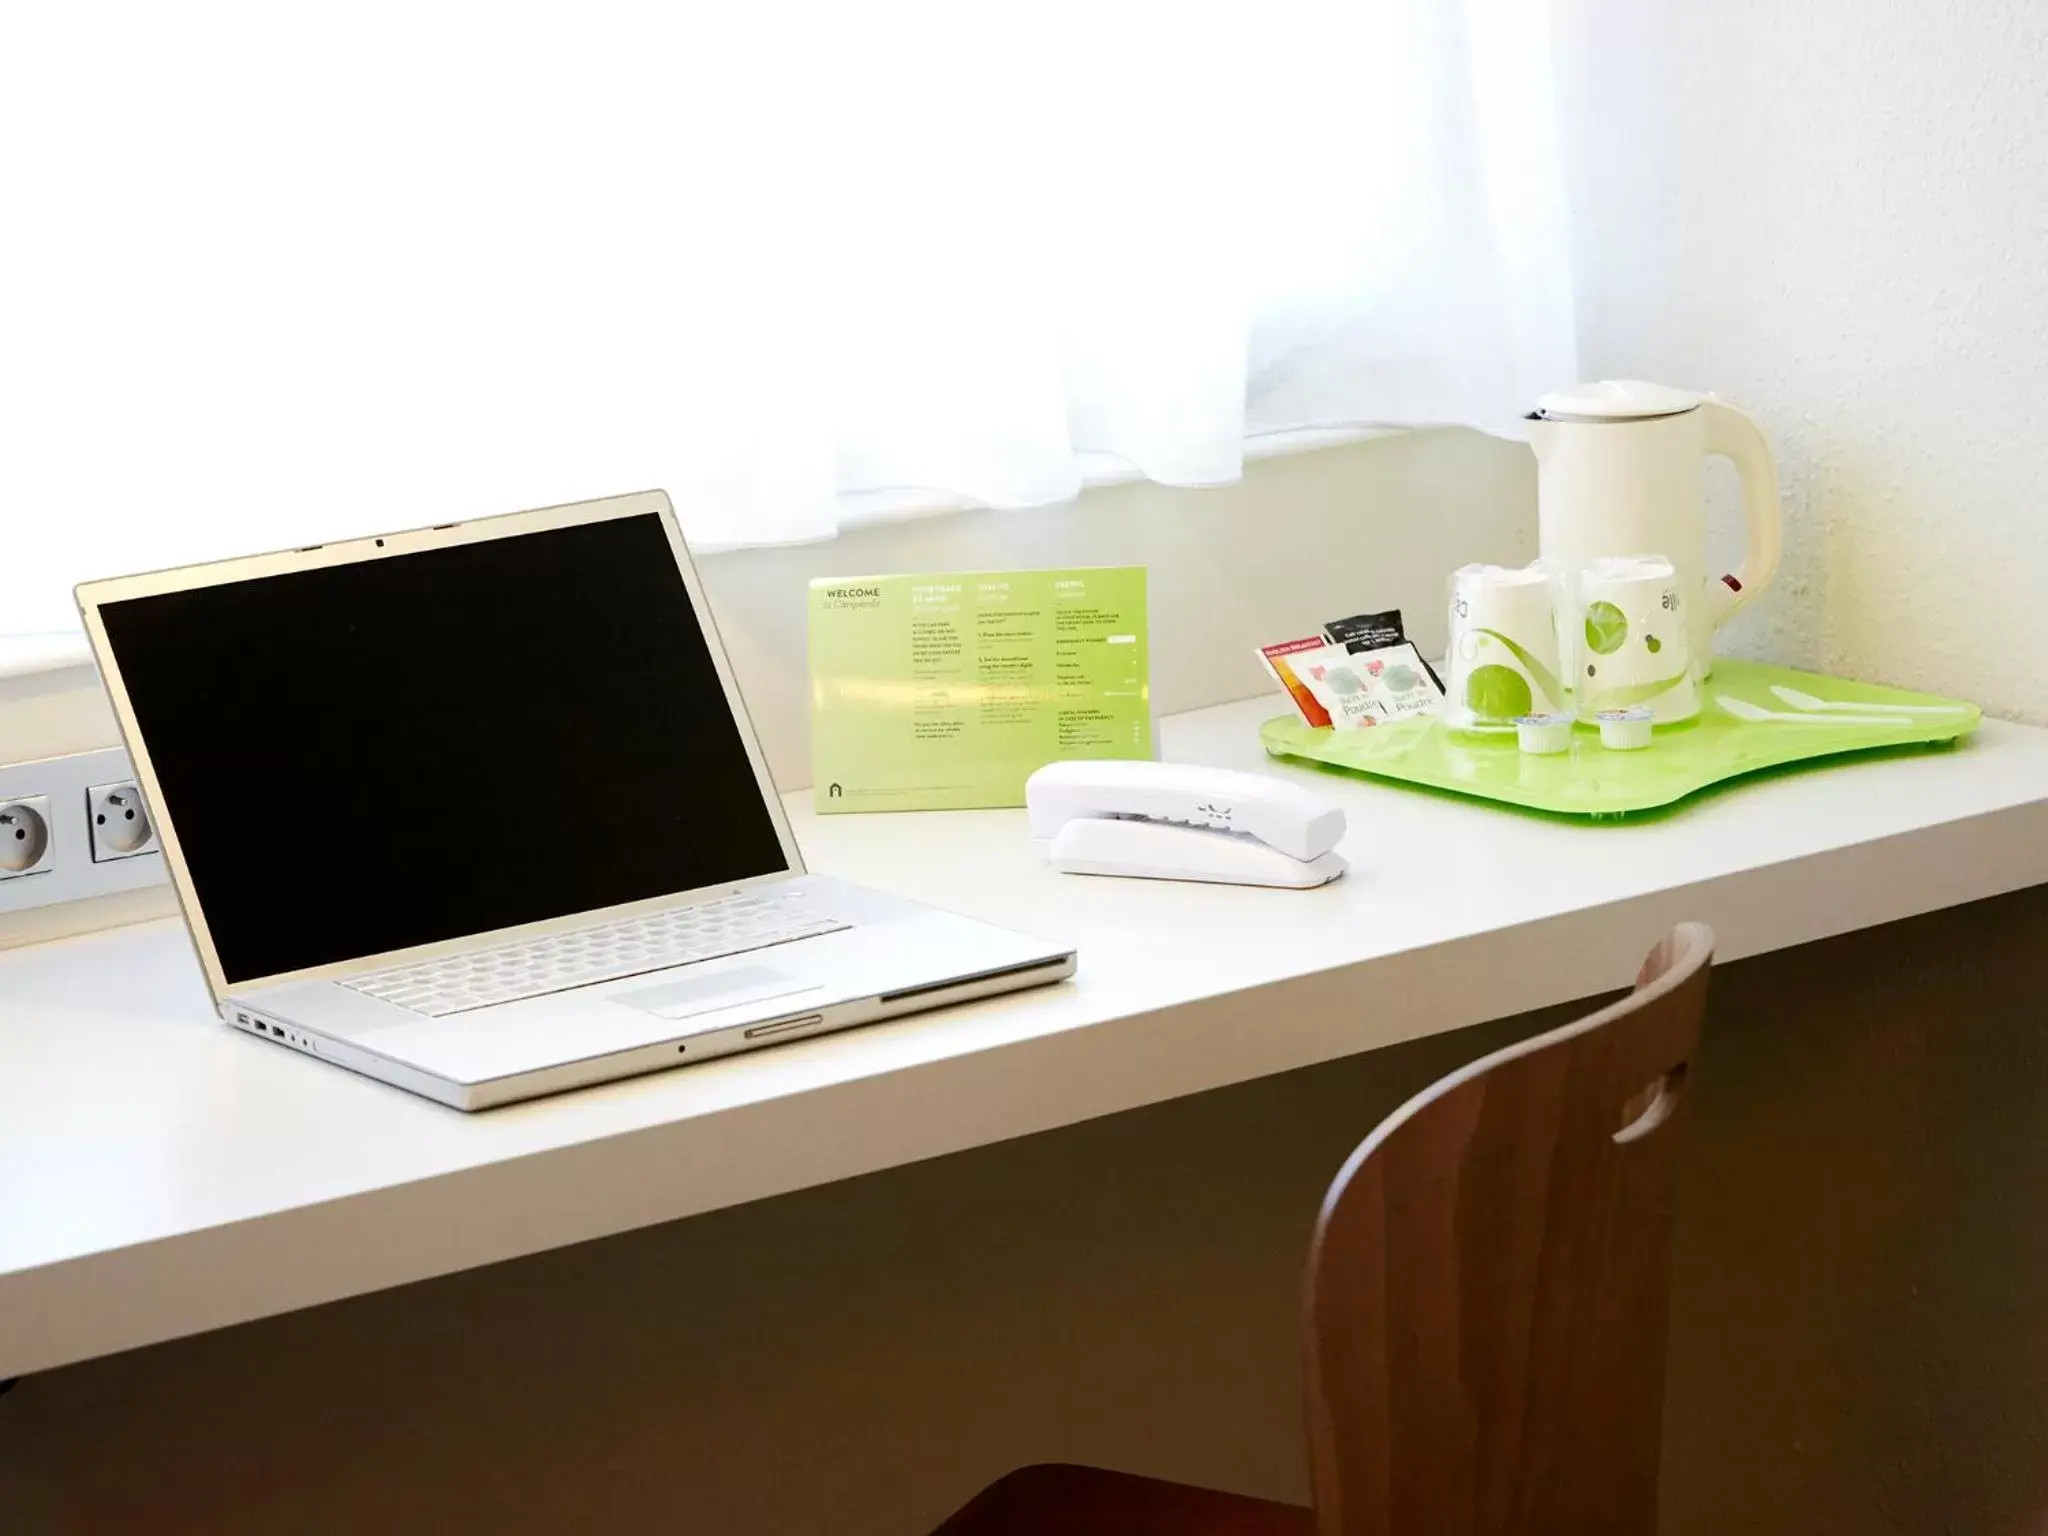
(1177, 821)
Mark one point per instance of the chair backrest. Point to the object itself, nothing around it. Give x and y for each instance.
(1489, 1283)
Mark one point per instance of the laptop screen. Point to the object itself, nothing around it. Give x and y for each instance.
(428, 745)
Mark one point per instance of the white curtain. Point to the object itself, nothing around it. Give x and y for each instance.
(273, 274)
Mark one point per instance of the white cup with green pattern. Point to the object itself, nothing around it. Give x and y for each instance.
(1504, 651)
(1633, 640)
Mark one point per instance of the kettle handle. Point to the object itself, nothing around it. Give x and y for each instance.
(1734, 434)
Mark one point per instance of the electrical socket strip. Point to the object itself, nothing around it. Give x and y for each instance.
(72, 828)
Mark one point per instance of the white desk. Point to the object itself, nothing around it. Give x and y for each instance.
(160, 1175)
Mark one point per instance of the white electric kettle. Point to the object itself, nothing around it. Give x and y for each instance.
(1618, 473)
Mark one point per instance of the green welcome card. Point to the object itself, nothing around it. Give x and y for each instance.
(941, 692)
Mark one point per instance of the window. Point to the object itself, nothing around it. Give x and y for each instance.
(276, 274)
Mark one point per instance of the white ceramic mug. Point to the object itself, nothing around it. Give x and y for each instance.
(1633, 639)
(1504, 651)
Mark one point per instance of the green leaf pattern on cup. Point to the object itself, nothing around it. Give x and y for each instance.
(1539, 674)
(1496, 693)
(1606, 629)
(1622, 697)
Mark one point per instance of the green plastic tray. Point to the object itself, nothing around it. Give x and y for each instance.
(1592, 781)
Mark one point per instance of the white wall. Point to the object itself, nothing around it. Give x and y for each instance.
(1834, 213)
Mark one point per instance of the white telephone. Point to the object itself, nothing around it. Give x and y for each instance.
(1175, 821)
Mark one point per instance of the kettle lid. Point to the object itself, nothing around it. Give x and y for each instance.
(1616, 400)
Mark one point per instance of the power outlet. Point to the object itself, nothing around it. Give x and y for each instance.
(118, 822)
(25, 845)
(51, 831)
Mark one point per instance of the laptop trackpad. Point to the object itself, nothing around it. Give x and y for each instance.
(719, 989)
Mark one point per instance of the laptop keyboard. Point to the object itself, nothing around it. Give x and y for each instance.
(651, 942)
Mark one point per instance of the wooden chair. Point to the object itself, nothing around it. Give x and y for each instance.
(1487, 1294)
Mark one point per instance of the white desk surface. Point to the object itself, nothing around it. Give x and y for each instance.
(160, 1174)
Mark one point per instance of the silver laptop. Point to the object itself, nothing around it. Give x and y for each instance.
(477, 810)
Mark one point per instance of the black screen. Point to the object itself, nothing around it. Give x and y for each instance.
(424, 746)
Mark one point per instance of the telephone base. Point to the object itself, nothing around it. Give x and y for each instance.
(1153, 850)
